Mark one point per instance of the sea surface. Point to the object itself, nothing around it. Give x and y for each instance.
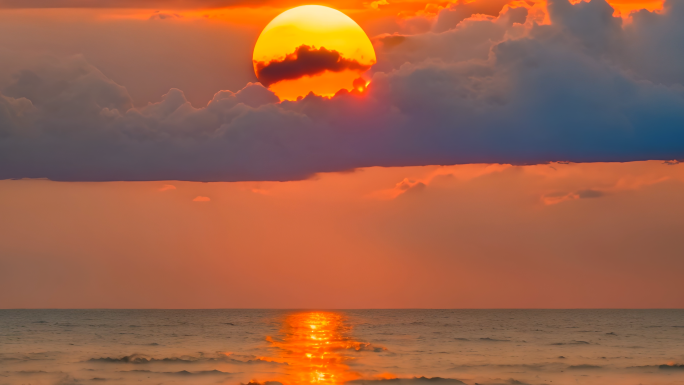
(392, 347)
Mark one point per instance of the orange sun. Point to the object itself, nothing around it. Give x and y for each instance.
(312, 48)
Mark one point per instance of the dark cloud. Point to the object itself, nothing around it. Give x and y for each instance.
(471, 39)
(653, 44)
(305, 61)
(589, 193)
(452, 15)
(489, 90)
(591, 23)
(650, 46)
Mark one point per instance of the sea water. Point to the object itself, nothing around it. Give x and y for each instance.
(334, 347)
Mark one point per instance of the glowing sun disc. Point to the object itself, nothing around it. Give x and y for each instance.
(311, 48)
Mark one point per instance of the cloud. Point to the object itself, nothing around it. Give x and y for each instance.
(376, 4)
(201, 199)
(305, 61)
(600, 188)
(163, 16)
(490, 90)
(443, 17)
(458, 11)
(589, 193)
(167, 187)
(653, 44)
(405, 186)
(559, 197)
(470, 39)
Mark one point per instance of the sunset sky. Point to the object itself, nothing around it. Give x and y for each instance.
(458, 154)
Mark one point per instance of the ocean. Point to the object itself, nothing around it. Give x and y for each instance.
(393, 347)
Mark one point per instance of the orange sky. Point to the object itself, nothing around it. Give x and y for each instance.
(365, 10)
(472, 236)
(217, 44)
(469, 236)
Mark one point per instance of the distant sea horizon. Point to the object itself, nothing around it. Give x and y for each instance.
(334, 347)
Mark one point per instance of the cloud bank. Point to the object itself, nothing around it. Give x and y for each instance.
(509, 89)
(305, 61)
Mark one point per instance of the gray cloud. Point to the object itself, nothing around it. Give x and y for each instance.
(535, 94)
(589, 193)
(451, 16)
(471, 39)
(305, 61)
(655, 41)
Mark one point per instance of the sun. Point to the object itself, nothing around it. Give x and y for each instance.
(312, 48)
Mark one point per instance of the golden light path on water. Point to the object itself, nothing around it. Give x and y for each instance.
(314, 346)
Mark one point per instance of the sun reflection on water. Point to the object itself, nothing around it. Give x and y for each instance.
(314, 346)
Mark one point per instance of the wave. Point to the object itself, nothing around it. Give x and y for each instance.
(573, 342)
(183, 372)
(669, 366)
(409, 381)
(510, 381)
(144, 359)
(584, 367)
(365, 346)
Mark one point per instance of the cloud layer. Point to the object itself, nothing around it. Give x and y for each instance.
(509, 89)
(305, 61)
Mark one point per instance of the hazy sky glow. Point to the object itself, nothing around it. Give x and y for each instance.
(563, 120)
(473, 236)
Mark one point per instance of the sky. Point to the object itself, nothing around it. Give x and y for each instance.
(505, 154)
